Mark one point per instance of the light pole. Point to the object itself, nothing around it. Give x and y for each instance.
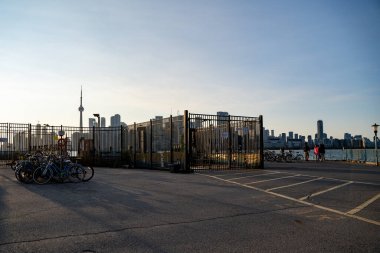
(98, 116)
(375, 126)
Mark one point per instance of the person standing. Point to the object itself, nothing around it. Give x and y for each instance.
(316, 152)
(306, 150)
(322, 152)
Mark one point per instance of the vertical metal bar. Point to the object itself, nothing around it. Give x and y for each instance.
(229, 143)
(171, 139)
(261, 142)
(121, 142)
(186, 140)
(93, 145)
(151, 144)
(135, 142)
(29, 138)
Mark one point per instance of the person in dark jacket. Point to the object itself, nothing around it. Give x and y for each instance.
(306, 150)
(322, 152)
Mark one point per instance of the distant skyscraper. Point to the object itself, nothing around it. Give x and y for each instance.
(347, 136)
(320, 130)
(103, 122)
(81, 109)
(115, 120)
(91, 122)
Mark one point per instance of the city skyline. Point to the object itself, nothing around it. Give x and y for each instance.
(293, 62)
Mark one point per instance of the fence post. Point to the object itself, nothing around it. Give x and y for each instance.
(186, 140)
(229, 143)
(261, 142)
(171, 139)
(134, 143)
(29, 138)
(151, 144)
(93, 145)
(121, 142)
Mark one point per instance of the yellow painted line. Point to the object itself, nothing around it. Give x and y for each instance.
(300, 201)
(327, 190)
(272, 179)
(364, 205)
(257, 175)
(290, 185)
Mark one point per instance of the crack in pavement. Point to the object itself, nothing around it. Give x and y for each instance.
(153, 226)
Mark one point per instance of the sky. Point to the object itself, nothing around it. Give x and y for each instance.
(293, 62)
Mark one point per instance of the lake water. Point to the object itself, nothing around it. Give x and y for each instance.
(363, 155)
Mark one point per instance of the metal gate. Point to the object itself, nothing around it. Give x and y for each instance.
(222, 142)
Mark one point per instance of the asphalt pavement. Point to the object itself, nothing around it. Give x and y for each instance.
(286, 207)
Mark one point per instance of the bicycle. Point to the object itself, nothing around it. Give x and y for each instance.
(66, 170)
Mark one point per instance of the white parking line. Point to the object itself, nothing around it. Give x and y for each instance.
(290, 185)
(300, 201)
(256, 175)
(327, 190)
(272, 179)
(331, 178)
(236, 173)
(364, 205)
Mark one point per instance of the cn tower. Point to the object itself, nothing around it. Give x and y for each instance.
(81, 109)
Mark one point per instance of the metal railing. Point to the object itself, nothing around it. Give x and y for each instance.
(187, 142)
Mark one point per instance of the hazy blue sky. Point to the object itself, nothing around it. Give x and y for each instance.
(294, 62)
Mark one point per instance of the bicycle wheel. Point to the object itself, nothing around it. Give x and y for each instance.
(24, 175)
(88, 173)
(24, 172)
(76, 173)
(42, 175)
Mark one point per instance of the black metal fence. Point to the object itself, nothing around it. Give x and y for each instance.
(187, 142)
(224, 142)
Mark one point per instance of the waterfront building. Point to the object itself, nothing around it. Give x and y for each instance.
(310, 141)
(266, 134)
(274, 143)
(222, 118)
(283, 137)
(319, 136)
(294, 144)
(347, 136)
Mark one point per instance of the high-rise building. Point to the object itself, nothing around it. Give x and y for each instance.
(115, 120)
(81, 109)
(320, 130)
(91, 122)
(347, 136)
(103, 122)
(266, 134)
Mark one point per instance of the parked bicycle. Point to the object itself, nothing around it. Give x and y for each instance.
(296, 156)
(43, 168)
